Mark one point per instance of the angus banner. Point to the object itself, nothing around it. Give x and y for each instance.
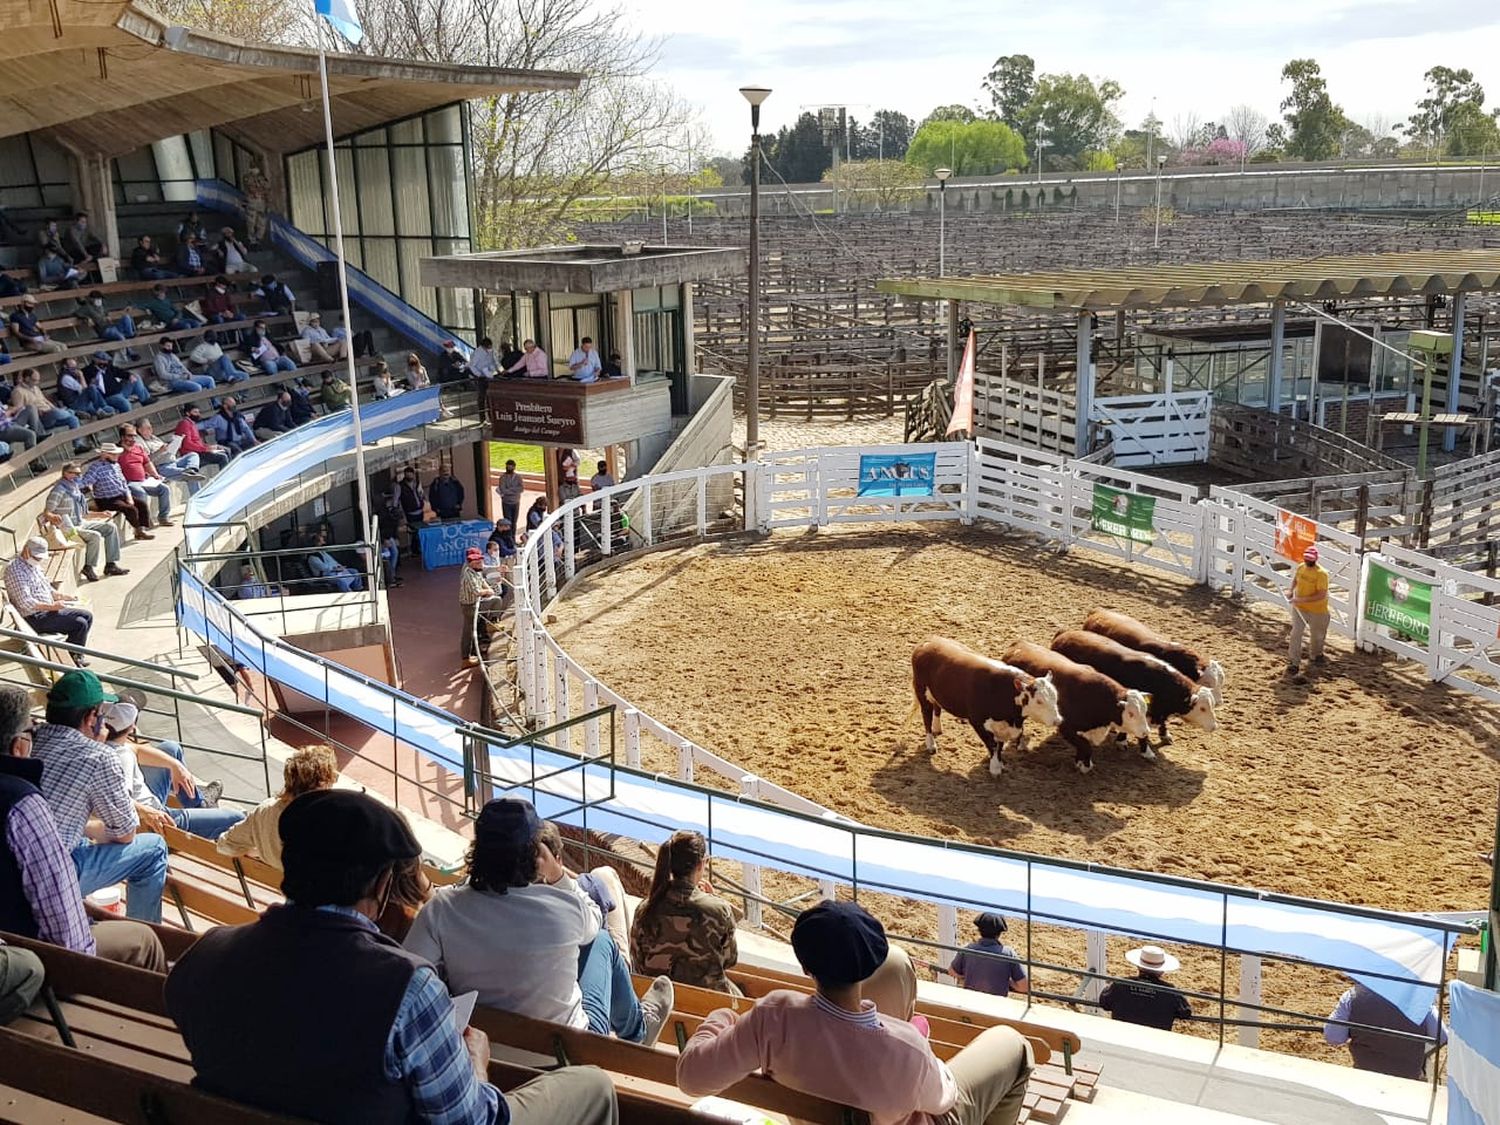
(897, 474)
(1126, 515)
(1399, 603)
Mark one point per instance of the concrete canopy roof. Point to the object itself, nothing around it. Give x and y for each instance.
(1221, 283)
(102, 78)
(583, 268)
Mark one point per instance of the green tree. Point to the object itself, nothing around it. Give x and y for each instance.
(1072, 114)
(1314, 124)
(1096, 161)
(797, 153)
(1450, 93)
(1011, 83)
(955, 112)
(971, 149)
(1471, 132)
(891, 132)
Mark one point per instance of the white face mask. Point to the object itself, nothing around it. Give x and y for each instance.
(99, 303)
(220, 289)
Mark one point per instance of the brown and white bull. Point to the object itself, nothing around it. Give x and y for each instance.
(1094, 708)
(993, 698)
(1167, 690)
(1133, 634)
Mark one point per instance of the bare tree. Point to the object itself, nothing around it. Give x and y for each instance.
(1187, 130)
(1247, 125)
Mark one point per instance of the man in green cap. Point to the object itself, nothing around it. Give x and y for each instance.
(84, 782)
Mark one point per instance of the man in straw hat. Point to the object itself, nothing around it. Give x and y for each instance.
(1147, 1000)
(1308, 596)
(45, 608)
(834, 1043)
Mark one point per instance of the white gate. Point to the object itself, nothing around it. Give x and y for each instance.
(1168, 429)
(1177, 520)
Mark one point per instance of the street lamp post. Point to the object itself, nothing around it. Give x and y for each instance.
(1040, 145)
(942, 179)
(1156, 237)
(755, 95)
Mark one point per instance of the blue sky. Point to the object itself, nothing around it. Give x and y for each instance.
(1198, 57)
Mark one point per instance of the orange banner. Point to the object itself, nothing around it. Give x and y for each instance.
(963, 393)
(1294, 534)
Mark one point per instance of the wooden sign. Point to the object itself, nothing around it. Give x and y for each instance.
(536, 413)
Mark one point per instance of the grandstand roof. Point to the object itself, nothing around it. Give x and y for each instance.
(1221, 283)
(105, 77)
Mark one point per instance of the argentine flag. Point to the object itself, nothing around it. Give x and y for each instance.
(1473, 1056)
(343, 17)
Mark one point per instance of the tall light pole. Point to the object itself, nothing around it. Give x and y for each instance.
(1040, 145)
(1151, 136)
(1156, 238)
(942, 175)
(755, 95)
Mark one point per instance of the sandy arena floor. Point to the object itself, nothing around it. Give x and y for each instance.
(791, 656)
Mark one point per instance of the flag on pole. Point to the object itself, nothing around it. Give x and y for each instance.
(343, 17)
(963, 393)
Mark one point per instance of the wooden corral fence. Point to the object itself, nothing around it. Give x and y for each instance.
(1259, 445)
(820, 385)
(1009, 407)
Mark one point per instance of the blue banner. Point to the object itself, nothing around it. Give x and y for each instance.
(1473, 1056)
(444, 544)
(897, 474)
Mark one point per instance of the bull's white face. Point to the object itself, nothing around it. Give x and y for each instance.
(1133, 719)
(1201, 714)
(1038, 702)
(1213, 679)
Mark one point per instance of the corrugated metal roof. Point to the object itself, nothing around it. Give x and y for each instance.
(1221, 283)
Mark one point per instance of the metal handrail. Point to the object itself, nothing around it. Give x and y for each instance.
(84, 650)
(109, 677)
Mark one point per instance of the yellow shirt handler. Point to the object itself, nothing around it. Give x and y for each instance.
(1309, 602)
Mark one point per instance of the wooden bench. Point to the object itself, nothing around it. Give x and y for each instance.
(27, 361)
(108, 288)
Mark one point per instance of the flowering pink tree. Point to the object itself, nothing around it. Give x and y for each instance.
(1220, 150)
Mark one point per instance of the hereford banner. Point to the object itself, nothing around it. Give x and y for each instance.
(897, 474)
(1399, 603)
(1125, 515)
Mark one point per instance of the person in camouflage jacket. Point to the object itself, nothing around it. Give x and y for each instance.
(682, 929)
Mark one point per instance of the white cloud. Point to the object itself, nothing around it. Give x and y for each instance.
(1191, 55)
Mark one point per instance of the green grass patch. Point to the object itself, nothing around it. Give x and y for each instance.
(528, 458)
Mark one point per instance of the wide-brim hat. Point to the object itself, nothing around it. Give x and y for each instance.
(111, 448)
(1153, 959)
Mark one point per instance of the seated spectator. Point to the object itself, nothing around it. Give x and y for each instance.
(452, 366)
(105, 481)
(229, 428)
(837, 1046)
(584, 364)
(121, 386)
(1147, 1000)
(81, 245)
(384, 386)
(191, 433)
(175, 375)
(82, 391)
(334, 393)
(44, 902)
(250, 585)
(91, 310)
(168, 458)
(67, 511)
(388, 526)
(483, 363)
(218, 303)
(410, 891)
(39, 602)
(533, 363)
(233, 254)
(503, 538)
(28, 331)
(156, 772)
(376, 1037)
(986, 965)
(324, 346)
(209, 355)
(144, 478)
(416, 373)
(446, 494)
(274, 418)
(146, 262)
(171, 317)
(54, 271)
(263, 351)
(20, 426)
(303, 410)
(278, 298)
(49, 236)
(682, 929)
(27, 396)
(612, 367)
(518, 906)
(306, 771)
(191, 226)
(84, 781)
(602, 885)
(189, 260)
(1371, 1050)
(323, 565)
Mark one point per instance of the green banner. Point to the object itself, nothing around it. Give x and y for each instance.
(1399, 603)
(1126, 515)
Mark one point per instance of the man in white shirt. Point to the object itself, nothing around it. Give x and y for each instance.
(324, 346)
(584, 363)
(520, 933)
(533, 363)
(483, 363)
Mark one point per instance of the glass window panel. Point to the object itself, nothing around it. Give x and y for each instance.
(646, 300)
(202, 148)
(407, 132)
(669, 295)
(423, 297)
(372, 137)
(380, 262)
(57, 195)
(20, 196)
(375, 212)
(172, 159)
(343, 159)
(51, 161)
(445, 126)
(587, 322)
(305, 186)
(15, 162)
(525, 316)
(409, 173)
(450, 197)
(461, 314)
(224, 158)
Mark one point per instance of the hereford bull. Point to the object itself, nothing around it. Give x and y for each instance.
(994, 698)
(1133, 634)
(1095, 709)
(1167, 690)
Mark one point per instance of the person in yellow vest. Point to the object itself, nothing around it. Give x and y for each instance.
(1309, 602)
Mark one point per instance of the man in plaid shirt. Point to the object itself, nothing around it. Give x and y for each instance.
(106, 481)
(84, 783)
(39, 602)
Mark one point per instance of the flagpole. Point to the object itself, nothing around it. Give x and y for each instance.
(367, 513)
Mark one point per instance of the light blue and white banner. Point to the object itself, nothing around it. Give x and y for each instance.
(897, 474)
(343, 17)
(444, 544)
(1473, 1055)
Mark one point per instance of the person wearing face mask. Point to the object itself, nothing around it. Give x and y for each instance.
(82, 392)
(263, 351)
(120, 385)
(190, 429)
(91, 309)
(218, 304)
(175, 375)
(211, 358)
(43, 607)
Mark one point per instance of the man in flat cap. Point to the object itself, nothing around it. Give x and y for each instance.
(835, 1045)
(311, 1011)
